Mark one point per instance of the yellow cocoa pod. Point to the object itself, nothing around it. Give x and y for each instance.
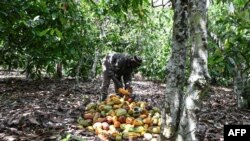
(91, 128)
(155, 121)
(129, 120)
(117, 106)
(116, 100)
(127, 135)
(118, 138)
(154, 129)
(159, 121)
(138, 122)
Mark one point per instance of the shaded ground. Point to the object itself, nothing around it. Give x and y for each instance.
(48, 109)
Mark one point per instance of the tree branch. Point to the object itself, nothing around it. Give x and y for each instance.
(246, 5)
(153, 2)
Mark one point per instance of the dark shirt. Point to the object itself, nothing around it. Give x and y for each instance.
(120, 65)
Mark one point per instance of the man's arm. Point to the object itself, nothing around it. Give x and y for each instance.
(114, 78)
(127, 80)
(112, 68)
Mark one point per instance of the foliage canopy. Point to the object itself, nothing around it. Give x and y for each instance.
(35, 36)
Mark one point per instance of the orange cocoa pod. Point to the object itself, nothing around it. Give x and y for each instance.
(117, 124)
(123, 91)
(143, 116)
(147, 120)
(144, 111)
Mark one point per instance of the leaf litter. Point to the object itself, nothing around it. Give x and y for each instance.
(49, 109)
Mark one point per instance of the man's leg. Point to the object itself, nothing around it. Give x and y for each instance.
(105, 85)
(106, 78)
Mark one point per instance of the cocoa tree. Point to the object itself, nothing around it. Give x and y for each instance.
(180, 120)
(176, 68)
(197, 82)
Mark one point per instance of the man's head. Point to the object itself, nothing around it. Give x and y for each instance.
(135, 61)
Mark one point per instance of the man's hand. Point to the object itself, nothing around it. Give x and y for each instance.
(128, 87)
(115, 79)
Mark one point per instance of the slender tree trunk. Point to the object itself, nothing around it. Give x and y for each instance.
(199, 71)
(28, 69)
(79, 68)
(102, 27)
(59, 70)
(93, 69)
(175, 70)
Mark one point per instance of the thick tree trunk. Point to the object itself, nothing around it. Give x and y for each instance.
(199, 71)
(241, 88)
(175, 70)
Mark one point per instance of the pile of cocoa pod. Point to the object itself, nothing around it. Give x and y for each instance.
(119, 118)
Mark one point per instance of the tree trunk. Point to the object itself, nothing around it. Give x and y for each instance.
(102, 27)
(93, 69)
(199, 71)
(175, 70)
(241, 87)
(79, 68)
(59, 70)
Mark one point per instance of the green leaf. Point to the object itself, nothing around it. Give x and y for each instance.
(52, 31)
(66, 138)
(58, 33)
(43, 32)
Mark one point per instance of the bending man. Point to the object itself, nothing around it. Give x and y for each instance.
(119, 68)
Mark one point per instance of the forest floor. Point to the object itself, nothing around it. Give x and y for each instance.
(48, 109)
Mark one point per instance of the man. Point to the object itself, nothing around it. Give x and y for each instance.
(118, 67)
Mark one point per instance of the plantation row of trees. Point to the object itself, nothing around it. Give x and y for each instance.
(40, 36)
(37, 36)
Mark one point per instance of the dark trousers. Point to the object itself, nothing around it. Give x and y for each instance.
(106, 83)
